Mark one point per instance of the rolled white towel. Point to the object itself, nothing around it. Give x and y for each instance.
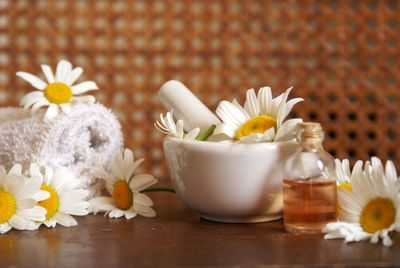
(83, 140)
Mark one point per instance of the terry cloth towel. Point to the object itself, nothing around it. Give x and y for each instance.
(84, 140)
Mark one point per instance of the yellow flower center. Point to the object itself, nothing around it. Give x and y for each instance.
(7, 206)
(123, 195)
(58, 93)
(52, 203)
(346, 186)
(258, 124)
(378, 214)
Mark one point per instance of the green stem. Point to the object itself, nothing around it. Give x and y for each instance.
(204, 136)
(158, 189)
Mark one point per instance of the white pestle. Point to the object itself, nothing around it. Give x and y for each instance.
(175, 95)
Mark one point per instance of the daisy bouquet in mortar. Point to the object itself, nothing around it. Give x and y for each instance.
(367, 205)
(48, 194)
(261, 119)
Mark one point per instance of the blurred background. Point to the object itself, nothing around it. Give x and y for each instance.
(342, 57)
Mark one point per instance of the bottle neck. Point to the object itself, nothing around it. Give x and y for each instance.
(311, 144)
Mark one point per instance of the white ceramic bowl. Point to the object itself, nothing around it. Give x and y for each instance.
(229, 182)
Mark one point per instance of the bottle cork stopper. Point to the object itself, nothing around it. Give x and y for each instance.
(307, 130)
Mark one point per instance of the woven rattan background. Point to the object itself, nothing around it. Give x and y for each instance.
(342, 57)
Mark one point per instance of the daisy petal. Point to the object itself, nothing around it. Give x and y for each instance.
(130, 214)
(48, 73)
(251, 105)
(289, 106)
(66, 108)
(257, 137)
(100, 204)
(84, 87)
(50, 223)
(36, 213)
(179, 129)
(230, 114)
(101, 173)
(387, 241)
(143, 199)
(4, 228)
(26, 203)
(116, 166)
(14, 184)
(265, 100)
(63, 71)
(145, 211)
(269, 135)
(242, 110)
(75, 73)
(192, 134)
(128, 157)
(38, 105)
(65, 220)
(41, 195)
(83, 99)
(51, 113)
(116, 213)
(390, 172)
(20, 223)
(16, 169)
(142, 181)
(286, 131)
(226, 129)
(31, 98)
(33, 80)
(30, 189)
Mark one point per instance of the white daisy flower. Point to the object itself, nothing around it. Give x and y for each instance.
(260, 120)
(58, 93)
(372, 209)
(126, 197)
(168, 127)
(18, 198)
(65, 200)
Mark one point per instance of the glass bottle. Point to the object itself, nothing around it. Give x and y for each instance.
(309, 186)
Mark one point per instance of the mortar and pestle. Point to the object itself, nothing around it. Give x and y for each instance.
(223, 181)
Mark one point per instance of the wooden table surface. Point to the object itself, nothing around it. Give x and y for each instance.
(177, 237)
